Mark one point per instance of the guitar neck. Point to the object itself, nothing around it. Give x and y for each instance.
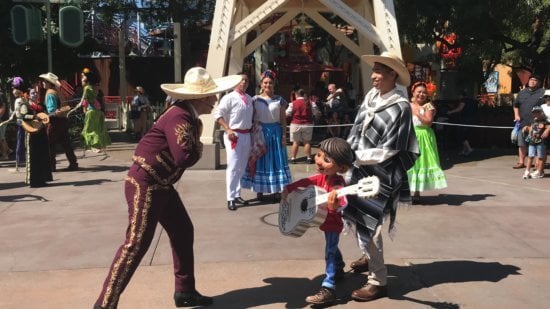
(349, 190)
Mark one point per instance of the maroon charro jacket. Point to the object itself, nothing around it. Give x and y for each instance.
(171, 145)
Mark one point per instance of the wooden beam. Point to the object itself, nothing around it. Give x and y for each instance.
(359, 22)
(269, 32)
(332, 30)
(253, 19)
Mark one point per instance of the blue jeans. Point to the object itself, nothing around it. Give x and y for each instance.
(20, 146)
(537, 150)
(333, 259)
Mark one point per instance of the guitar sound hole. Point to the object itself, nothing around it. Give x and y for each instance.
(303, 205)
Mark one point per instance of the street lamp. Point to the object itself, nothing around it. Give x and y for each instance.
(48, 23)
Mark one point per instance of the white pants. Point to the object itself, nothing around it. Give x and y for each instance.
(374, 250)
(237, 159)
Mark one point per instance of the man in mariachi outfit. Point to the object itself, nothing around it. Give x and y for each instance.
(385, 145)
(162, 155)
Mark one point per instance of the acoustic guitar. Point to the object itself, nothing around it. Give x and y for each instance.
(307, 207)
(36, 124)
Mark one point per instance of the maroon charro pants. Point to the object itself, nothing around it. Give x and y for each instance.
(149, 203)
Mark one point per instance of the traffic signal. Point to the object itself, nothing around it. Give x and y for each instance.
(26, 24)
(71, 26)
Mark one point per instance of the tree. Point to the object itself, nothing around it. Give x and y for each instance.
(192, 15)
(31, 60)
(512, 32)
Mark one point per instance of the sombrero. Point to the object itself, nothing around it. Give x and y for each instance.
(50, 77)
(36, 124)
(394, 62)
(198, 84)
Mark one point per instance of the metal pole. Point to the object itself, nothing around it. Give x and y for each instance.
(138, 33)
(49, 34)
(122, 74)
(177, 53)
(93, 23)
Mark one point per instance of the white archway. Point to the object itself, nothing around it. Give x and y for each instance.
(233, 19)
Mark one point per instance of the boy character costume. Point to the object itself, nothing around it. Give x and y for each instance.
(341, 157)
(162, 155)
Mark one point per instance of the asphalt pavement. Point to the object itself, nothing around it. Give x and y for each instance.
(480, 243)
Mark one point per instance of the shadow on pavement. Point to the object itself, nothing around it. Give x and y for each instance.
(91, 182)
(450, 157)
(12, 185)
(22, 198)
(406, 279)
(103, 168)
(291, 291)
(401, 281)
(450, 199)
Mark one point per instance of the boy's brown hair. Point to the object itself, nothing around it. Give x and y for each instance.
(339, 150)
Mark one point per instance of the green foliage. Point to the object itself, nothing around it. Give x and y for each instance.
(493, 30)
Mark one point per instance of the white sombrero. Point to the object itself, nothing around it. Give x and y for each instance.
(394, 62)
(198, 84)
(50, 77)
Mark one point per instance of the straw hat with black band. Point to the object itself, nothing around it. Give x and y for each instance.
(199, 84)
(392, 61)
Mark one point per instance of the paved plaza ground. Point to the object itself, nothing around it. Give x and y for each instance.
(483, 242)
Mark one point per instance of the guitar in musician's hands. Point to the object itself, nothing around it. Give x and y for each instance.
(305, 208)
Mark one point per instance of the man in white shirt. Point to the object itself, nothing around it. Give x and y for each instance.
(234, 114)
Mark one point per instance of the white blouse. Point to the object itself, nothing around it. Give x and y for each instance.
(268, 110)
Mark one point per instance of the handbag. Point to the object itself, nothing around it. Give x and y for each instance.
(515, 132)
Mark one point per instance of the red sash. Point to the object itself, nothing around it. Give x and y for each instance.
(235, 138)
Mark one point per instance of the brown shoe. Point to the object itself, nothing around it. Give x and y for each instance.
(369, 292)
(360, 265)
(325, 296)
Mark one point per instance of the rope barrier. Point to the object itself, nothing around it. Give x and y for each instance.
(471, 125)
(434, 122)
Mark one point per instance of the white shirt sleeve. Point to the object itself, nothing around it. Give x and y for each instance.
(373, 156)
(289, 110)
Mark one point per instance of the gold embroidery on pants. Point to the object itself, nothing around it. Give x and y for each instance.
(120, 269)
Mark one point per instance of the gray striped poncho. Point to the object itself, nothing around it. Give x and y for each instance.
(385, 129)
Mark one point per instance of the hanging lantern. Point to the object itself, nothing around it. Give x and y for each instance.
(449, 55)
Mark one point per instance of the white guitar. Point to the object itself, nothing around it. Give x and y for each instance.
(305, 208)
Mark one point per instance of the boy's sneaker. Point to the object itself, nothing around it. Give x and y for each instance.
(526, 175)
(537, 175)
(323, 297)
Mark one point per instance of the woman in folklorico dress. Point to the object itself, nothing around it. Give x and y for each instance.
(426, 174)
(94, 132)
(272, 173)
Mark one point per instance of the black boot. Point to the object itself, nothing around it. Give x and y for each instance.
(192, 299)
